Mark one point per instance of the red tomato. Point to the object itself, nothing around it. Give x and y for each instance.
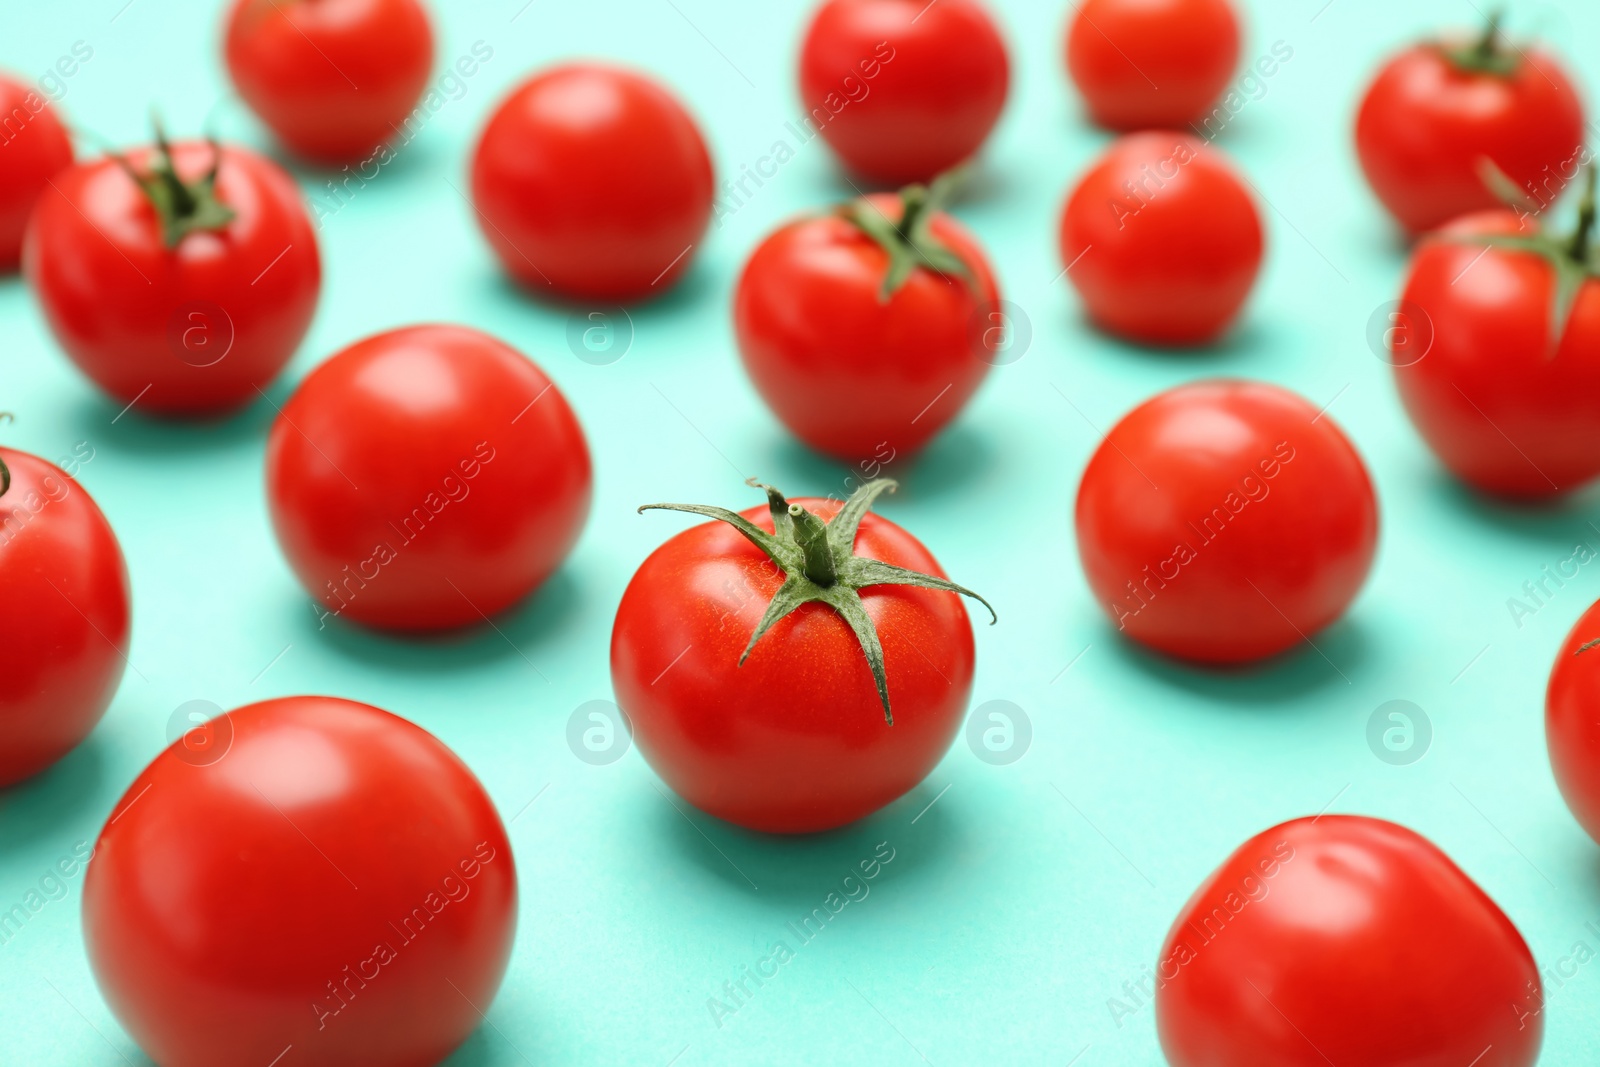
(1225, 521)
(852, 372)
(1571, 722)
(65, 630)
(593, 183)
(1438, 110)
(1506, 403)
(1162, 240)
(1345, 940)
(333, 885)
(334, 79)
(1152, 64)
(36, 149)
(426, 478)
(903, 90)
(186, 310)
(792, 739)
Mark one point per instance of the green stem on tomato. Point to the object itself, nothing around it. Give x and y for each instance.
(909, 241)
(182, 207)
(820, 566)
(1486, 54)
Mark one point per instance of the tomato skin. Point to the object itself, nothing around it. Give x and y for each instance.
(1571, 726)
(1173, 262)
(915, 87)
(1144, 65)
(794, 741)
(1501, 409)
(232, 906)
(445, 445)
(334, 79)
(1424, 126)
(36, 150)
(848, 373)
(119, 301)
(1271, 501)
(594, 183)
(66, 630)
(1345, 939)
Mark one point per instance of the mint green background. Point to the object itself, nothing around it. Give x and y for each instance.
(1024, 898)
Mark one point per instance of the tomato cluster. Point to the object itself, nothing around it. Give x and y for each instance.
(796, 666)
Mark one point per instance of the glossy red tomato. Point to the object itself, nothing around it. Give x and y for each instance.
(426, 478)
(1506, 403)
(1162, 240)
(36, 149)
(1345, 940)
(793, 738)
(65, 627)
(903, 90)
(329, 884)
(1225, 521)
(1152, 64)
(853, 372)
(334, 79)
(592, 183)
(190, 309)
(1572, 721)
(1438, 110)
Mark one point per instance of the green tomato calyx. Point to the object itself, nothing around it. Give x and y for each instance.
(910, 242)
(1487, 55)
(5, 471)
(820, 565)
(183, 207)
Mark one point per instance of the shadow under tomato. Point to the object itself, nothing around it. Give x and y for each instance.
(1560, 522)
(489, 1045)
(103, 422)
(958, 458)
(686, 295)
(796, 872)
(518, 632)
(1334, 662)
(1247, 342)
(63, 803)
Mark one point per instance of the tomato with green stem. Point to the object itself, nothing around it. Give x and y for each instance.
(796, 667)
(180, 277)
(66, 626)
(1502, 373)
(870, 327)
(1442, 116)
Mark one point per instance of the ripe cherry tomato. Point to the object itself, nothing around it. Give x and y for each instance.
(1438, 110)
(1507, 402)
(1345, 940)
(65, 627)
(867, 329)
(320, 880)
(334, 79)
(185, 291)
(1162, 240)
(1571, 722)
(36, 149)
(1152, 64)
(903, 90)
(758, 681)
(426, 478)
(593, 183)
(1225, 521)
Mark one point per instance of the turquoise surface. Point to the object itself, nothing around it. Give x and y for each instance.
(1021, 897)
